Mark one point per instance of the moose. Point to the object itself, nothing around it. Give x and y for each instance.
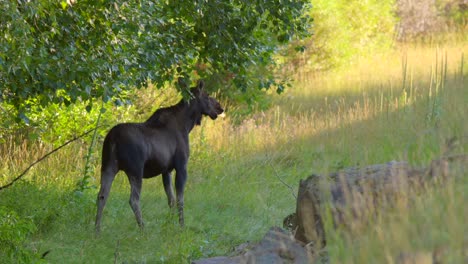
(156, 146)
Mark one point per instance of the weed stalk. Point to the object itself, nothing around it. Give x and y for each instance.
(84, 183)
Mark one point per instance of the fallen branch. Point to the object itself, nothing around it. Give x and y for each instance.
(282, 181)
(45, 156)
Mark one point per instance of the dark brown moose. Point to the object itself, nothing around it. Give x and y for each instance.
(157, 146)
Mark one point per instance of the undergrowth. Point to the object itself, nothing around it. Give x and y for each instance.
(399, 106)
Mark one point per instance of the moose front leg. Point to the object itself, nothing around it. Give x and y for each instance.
(181, 178)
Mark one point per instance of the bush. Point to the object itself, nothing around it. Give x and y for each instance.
(13, 234)
(420, 19)
(343, 29)
(455, 13)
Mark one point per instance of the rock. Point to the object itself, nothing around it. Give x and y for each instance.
(415, 258)
(219, 260)
(277, 246)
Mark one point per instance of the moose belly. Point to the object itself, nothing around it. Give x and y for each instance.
(154, 168)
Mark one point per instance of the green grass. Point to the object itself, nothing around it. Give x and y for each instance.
(235, 192)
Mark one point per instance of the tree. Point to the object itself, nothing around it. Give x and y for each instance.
(84, 49)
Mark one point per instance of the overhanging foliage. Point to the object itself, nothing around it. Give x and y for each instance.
(84, 49)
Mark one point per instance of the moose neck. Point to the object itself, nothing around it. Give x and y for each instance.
(192, 115)
(182, 116)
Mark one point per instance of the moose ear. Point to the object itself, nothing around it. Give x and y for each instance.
(200, 85)
(182, 82)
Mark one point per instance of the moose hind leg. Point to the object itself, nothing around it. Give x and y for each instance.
(181, 177)
(136, 180)
(107, 177)
(167, 182)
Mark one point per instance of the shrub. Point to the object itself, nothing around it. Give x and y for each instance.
(343, 29)
(420, 19)
(13, 234)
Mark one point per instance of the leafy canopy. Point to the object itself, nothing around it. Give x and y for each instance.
(61, 52)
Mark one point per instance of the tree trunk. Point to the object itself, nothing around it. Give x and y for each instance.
(354, 195)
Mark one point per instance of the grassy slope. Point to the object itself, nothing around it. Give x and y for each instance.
(357, 115)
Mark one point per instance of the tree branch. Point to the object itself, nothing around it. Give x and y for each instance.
(45, 156)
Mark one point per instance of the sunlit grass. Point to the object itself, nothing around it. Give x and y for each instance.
(359, 115)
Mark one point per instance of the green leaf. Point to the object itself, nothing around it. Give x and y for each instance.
(64, 5)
